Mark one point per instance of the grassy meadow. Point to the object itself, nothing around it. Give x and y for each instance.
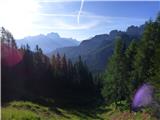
(20, 110)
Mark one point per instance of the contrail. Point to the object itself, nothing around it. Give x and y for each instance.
(80, 10)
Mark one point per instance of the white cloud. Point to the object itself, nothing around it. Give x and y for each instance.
(89, 21)
(91, 16)
(63, 21)
(65, 26)
(83, 14)
(24, 17)
(61, 25)
(55, 15)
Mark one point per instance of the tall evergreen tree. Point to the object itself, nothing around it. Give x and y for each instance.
(131, 53)
(146, 64)
(116, 80)
(7, 38)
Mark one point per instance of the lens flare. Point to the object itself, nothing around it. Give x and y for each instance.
(10, 56)
(143, 97)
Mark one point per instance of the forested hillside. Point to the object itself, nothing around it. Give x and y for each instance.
(69, 90)
(130, 67)
(97, 50)
(34, 76)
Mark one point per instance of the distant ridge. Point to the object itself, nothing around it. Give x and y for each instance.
(47, 43)
(97, 50)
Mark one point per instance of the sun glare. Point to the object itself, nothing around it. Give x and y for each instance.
(18, 15)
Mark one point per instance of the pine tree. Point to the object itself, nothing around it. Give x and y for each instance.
(156, 77)
(147, 59)
(131, 53)
(64, 64)
(7, 38)
(116, 80)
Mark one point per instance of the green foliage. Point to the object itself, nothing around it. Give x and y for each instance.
(72, 82)
(147, 59)
(37, 77)
(30, 111)
(116, 82)
(129, 68)
(130, 54)
(15, 114)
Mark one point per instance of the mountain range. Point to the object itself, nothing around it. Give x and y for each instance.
(97, 50)
(47, 43)
(94, 51)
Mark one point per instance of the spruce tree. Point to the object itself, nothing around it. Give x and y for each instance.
(131, 53)
(147, 59)
(116, 80)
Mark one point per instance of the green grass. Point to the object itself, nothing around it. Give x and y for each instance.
(30, 111)
(16, 114)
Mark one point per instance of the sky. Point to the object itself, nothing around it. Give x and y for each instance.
(78, 19)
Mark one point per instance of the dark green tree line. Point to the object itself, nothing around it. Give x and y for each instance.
(37, 77)
(116, 81)
(132, 66)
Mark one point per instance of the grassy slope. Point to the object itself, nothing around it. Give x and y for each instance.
(31, 111)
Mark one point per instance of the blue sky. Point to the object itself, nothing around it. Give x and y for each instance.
(33, 17)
